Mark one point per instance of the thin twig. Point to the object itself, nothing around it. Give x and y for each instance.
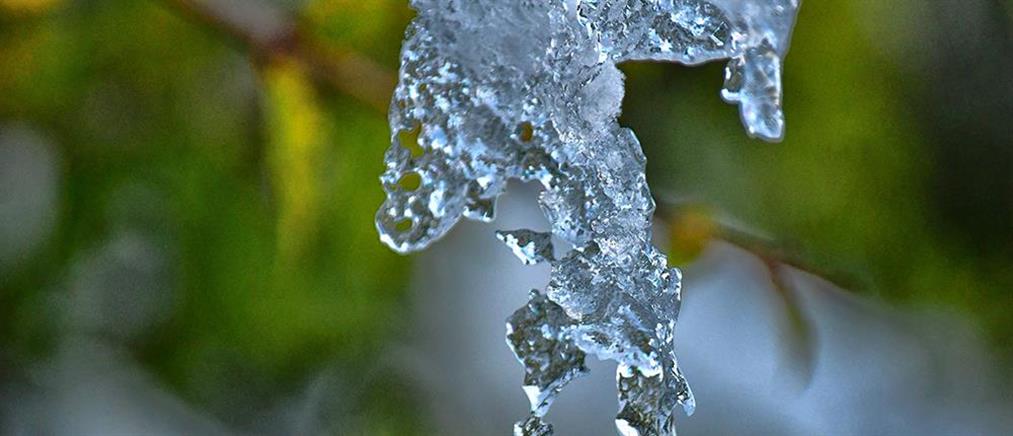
(800, 340)
(277, 36)
(768, 250)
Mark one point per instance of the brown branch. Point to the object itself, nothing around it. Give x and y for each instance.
(771, 252)
(269, 35)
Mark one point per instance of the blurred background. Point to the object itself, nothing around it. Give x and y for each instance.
(187, 189)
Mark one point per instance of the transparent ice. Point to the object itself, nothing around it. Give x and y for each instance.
(493, 90)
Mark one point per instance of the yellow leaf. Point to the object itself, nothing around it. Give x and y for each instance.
(691, 230)
(297, 136)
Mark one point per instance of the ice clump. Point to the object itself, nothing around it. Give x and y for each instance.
(529, 90)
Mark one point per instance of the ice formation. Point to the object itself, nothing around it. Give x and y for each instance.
(493, 90)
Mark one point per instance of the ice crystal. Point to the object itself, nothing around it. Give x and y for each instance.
(529, 246)
(493, 90)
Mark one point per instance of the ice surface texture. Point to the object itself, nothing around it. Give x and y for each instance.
(493, 90)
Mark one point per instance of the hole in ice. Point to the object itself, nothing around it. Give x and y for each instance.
(404, 225)
(525, 132)
(409, 139)
(410, 181)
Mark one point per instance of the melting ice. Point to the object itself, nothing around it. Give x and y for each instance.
(529, 90)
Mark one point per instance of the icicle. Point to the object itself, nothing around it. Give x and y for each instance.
(529, 90)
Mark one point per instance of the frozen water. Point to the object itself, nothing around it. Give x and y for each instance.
(493, 90)
(529, 246)
(533, 426)
(538, 333)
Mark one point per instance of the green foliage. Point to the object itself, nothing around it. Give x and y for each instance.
(259, 183)
(263, 189)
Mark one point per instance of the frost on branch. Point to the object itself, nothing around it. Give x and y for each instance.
(493, 90)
